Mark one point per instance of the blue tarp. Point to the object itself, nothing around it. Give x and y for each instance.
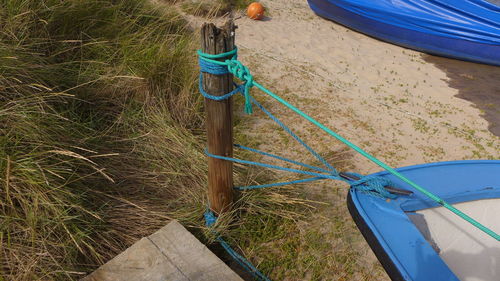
(464, 29)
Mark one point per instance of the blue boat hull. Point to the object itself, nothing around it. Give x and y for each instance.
(480, 43)
(398, 244)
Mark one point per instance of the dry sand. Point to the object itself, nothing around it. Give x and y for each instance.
(385, 98)
(400, 105)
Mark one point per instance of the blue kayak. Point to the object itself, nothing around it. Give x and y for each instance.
(416, 239)
(463, 29)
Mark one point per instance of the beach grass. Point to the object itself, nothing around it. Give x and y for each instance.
(97, 115)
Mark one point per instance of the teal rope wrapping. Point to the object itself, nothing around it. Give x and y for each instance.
(237, 89)
(233, 54)
(209, 64)
(240, 71)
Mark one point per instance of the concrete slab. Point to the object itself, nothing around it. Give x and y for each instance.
(171, 253)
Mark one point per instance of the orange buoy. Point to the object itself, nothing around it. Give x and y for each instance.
(255, 11)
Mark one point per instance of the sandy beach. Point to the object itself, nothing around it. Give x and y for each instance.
(401, 105)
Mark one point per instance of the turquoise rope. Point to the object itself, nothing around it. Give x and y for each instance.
(210, 220)
(233, 66)
(244, 75)
(370, 184)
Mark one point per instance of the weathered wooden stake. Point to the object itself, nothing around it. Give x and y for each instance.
(219, 118)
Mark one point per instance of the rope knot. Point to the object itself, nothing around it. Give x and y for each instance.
(239, 70)
(374, 185)
(243, 73)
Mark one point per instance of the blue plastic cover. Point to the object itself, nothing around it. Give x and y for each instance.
(406, 247)
(465, 29)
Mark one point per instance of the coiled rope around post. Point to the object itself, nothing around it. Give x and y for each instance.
(371, 184)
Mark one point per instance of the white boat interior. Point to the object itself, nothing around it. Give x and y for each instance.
(470, 253)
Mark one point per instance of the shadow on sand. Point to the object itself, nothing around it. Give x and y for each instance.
(477, 83)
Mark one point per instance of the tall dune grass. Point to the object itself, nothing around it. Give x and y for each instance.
(97, 115)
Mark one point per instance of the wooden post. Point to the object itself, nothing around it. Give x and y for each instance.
(219, 118)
